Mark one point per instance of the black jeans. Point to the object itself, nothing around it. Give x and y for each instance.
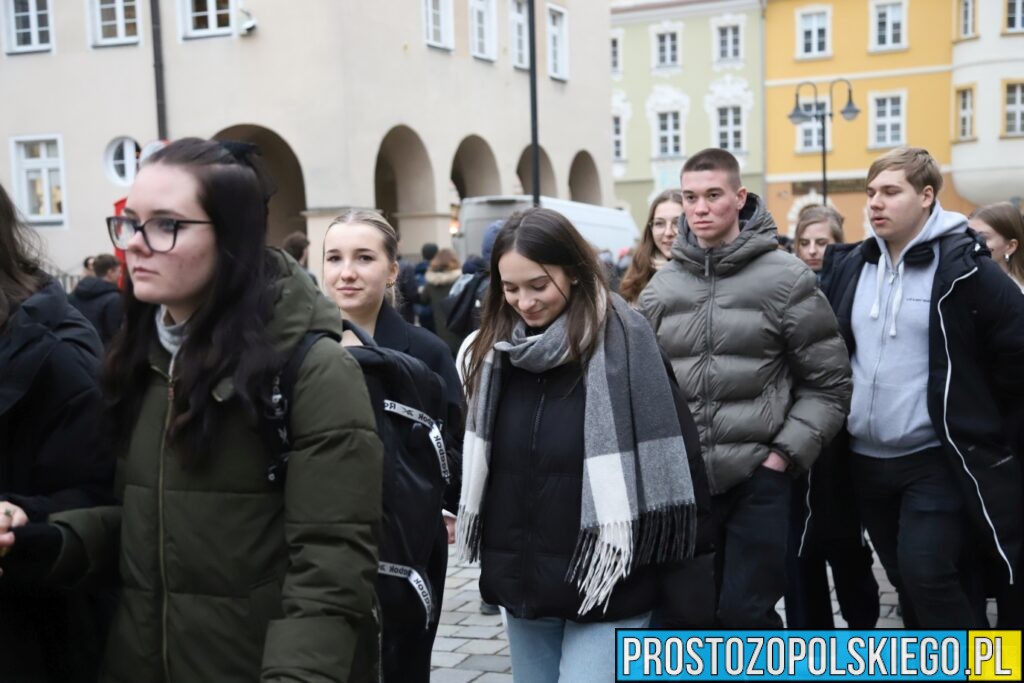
(751, 521)
(808, 600)
(914, 513)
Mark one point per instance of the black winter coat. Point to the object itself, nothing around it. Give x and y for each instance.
(100, 302)
(531, 513)
(975, 377)
(50, 460)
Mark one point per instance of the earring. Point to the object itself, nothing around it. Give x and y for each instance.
(575, 282)
(389, 284)
(1006, 257)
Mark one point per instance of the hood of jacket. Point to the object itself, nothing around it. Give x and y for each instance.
(939, 224)
(93, 288)
(758, 235)
(42, 321)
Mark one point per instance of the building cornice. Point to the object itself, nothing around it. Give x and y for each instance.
(860, 76)
(643, 11)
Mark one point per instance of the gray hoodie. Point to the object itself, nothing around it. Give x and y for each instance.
(891, 312)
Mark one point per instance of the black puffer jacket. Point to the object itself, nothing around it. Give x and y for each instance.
(531, 513)
(50, 460)
(975, 378)
(100, 302)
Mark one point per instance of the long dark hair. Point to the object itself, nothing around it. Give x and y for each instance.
(548, 238)
(20, 276)
(227, 334)
(641, 267)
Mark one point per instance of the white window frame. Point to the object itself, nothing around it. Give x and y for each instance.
(1017, 17)
(668, 135)
(735, 31)
(964, 115)
(446, 30)
(616, 56)
(1016, 109)
(826, 10)
(966, 19)
(121, 23)
(874, 8)
(618, 138)
(676, 61)
(20, 168)
(821, 102)
(557, 42)
(34, 12)
(519, 29)
(188, 32)
(731, 128)
(874, 142)
(483, 15)
(130, 148)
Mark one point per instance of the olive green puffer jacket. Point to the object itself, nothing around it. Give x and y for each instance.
(224, 576)
(754, 345)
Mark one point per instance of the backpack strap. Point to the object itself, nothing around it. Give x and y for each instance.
(435, 427)
(275, 422)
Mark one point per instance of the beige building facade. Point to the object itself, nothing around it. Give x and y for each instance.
(403, 105)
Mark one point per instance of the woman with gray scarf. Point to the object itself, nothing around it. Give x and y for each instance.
(581, 476)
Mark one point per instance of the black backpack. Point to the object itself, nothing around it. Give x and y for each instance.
(409, 406)
(462, 310)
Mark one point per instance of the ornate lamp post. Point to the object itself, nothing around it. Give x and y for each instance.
(800, 115)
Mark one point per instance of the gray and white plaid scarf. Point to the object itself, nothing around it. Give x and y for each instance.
(638, 503)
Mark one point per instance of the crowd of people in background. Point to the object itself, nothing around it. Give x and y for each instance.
(676, 435)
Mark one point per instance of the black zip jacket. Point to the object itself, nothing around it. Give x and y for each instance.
(975, 377)
(50, 460)
(100, 302)
(531, 514)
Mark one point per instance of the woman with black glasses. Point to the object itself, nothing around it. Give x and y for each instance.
(227, 575)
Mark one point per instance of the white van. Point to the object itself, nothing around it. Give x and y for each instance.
(604, 228)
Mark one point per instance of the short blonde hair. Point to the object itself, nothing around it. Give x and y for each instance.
(920, 167)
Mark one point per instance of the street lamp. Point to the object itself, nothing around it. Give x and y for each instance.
(799, 115)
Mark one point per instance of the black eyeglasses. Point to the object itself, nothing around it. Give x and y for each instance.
(160, 233)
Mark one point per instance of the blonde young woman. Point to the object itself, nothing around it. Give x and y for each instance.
(1003, 229)
(816, 228)
(655, 248)
(360, 268)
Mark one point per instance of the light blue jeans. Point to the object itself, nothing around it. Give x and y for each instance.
(551, 650)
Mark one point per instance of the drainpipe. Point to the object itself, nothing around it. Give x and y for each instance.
(534, 143)
(158, 69)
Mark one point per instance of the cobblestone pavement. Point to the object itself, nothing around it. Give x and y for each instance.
(472, 647)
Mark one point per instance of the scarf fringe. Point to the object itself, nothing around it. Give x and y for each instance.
(467, 536)
(609, 553)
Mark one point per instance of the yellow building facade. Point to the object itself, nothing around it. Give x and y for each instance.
(896, 59)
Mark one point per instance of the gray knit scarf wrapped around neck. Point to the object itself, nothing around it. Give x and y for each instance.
(638, 503)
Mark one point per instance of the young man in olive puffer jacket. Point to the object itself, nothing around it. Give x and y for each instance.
(755, 346)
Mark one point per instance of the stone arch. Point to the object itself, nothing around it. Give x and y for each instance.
(548, 188)
(475, 169)
(403, 182)
(288, 204)
(584, 181)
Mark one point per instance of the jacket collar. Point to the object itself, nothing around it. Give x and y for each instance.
(391, 331)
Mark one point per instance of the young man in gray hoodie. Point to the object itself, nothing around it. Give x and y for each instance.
(936, 344)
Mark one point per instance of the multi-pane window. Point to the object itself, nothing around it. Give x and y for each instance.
(123, 160)
(558, 43)
(887, 129)
(1015, 109)
(668, 134)
(616, 55)
(813, 35)
(38, 178)
(519, 38)
(809, 132)
(28, 23)
(964, 113)
(1015, 15)
(116, 22)
(888, 25)
(668, 49)
(730, 128)
(437, 23)
(728, 42)
(618, 143)
(208, 17)
(966, 17)
(482, 29)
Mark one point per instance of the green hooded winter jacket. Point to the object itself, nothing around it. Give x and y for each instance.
(754, 345)
(224, 575)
